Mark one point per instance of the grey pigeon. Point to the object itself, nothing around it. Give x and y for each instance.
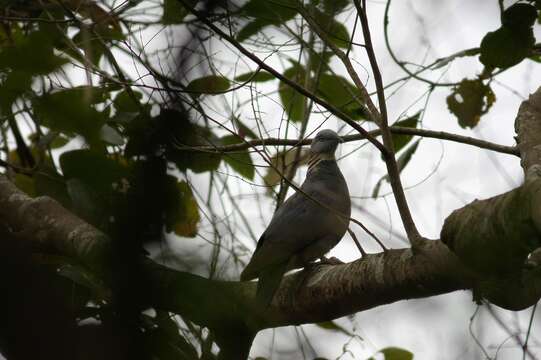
(309, 223)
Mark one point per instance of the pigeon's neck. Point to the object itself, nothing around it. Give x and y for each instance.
(316, 158)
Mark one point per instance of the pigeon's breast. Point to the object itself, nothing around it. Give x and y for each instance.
(328, 185)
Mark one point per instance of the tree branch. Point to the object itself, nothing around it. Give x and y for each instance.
(528, 128)
(511, 150)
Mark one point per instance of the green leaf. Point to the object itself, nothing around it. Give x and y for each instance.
(92, 46)
(210, 84)
(276, 11)
(519, 16)
(252, 28)
(188, 215)
(402, 161)
(48, 182)
(32, 53)
(506, 46)
(15, 84)
(334, 6)
(92, 179)
(265, 13)
(174, 12)
(331, 325)
(405, 157)
(124, 118)
(342, 94)
(196, 161)
(200, 162)
(55, 31)
(514, 41)
(319, 61)
(128, 103)
(293, 102)
(469, 101)
(93, 168)
(87, 202)
(255, 76)
(71, 111)
(25, 183)
(339, 34)
(243, 130)
(399, 141)
(394, 353)
(90, 94)
(335, 31)
(111, 135)
(240, 161)
(58, 141)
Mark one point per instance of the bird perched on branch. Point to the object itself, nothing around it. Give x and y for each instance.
(309, 223)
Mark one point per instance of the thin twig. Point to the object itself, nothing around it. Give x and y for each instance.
(354, 237)
(372, 235)
(504, 149)
(509, 331)
(525, 346)
(414, 236)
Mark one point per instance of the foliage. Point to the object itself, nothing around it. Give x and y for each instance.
(121, 151)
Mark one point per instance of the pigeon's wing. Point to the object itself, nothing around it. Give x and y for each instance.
(296, 224)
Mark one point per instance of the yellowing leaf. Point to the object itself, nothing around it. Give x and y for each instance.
(283, 162)
(26, 184)
(394, 353)
(331, 325)
(188, 218)
(469, 101)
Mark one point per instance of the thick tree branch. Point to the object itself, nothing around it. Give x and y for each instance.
(528, 128)
(317, 294)
(500, 237)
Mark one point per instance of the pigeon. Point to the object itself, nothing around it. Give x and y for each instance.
(307, 225)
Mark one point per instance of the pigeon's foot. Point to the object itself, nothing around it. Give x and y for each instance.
(330, 261)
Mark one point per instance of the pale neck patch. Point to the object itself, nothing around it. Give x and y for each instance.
(315, 158)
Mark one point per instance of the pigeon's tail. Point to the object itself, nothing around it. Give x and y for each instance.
(269, 281)
(248, 273)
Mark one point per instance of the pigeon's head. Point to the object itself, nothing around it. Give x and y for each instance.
(325, 142)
